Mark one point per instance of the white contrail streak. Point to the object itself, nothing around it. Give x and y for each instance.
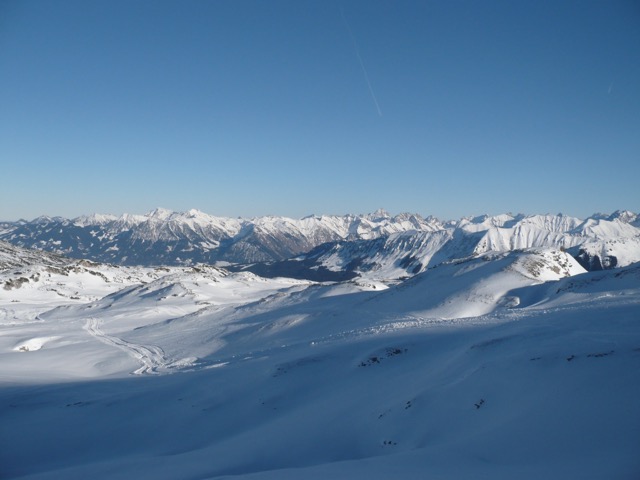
(364, 70)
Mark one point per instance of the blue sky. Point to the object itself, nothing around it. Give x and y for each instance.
(248, 108)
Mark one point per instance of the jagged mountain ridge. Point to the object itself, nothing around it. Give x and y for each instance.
(377, 244)
(163, 237)
(596, 243)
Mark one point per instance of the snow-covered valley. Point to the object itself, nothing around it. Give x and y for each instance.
(504, 365)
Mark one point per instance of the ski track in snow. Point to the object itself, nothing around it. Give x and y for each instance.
(151, 357)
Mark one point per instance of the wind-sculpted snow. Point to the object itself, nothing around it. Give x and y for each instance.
(503, 365)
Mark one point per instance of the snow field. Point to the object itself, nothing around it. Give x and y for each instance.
(442, 376)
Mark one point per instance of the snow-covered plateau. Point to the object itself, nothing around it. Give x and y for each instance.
(501, 363)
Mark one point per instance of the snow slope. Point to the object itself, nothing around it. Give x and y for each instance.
(75, 305)
(512, 365)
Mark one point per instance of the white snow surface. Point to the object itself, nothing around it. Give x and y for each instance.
(506, 365)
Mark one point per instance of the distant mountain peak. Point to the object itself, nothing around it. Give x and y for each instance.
(160, 213)
(379, 214)
(624, 216)
(193, 213)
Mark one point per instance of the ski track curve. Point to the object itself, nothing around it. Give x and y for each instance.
(150, 357)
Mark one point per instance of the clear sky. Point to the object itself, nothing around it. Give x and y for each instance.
(249, 108)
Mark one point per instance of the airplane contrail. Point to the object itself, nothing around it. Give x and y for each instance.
(364, 70)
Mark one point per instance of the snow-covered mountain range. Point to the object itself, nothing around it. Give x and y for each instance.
(596, 243)
(163, 237)
(326, 247)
